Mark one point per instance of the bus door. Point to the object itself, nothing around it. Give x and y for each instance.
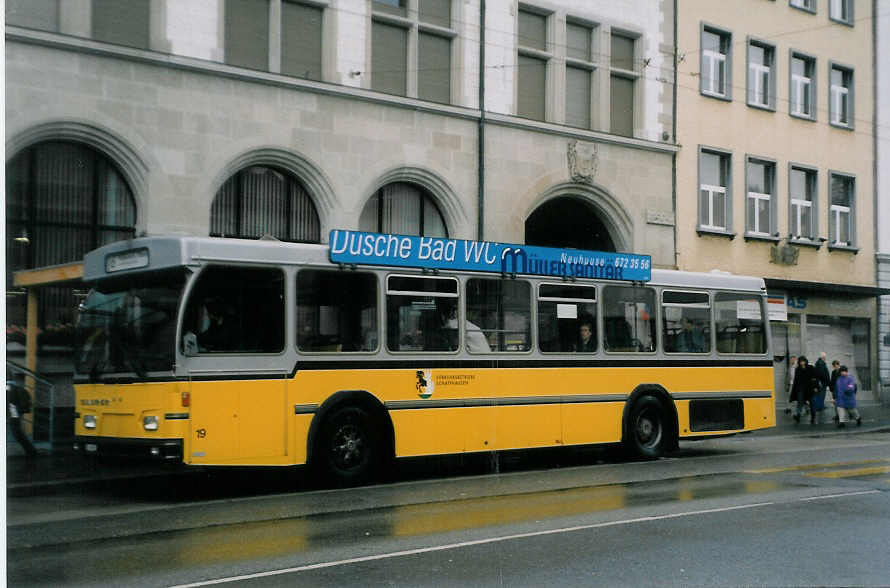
(233, 340)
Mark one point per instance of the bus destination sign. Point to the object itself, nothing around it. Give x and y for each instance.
(362, 248)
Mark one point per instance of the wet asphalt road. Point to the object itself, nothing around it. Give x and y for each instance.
(738, 511)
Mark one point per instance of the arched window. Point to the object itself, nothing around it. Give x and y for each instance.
(404, 209)
(63, 199)
(260, 201)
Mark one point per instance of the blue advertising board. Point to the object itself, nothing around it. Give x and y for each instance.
(361, 248)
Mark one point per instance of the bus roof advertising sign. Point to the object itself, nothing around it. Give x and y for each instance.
(362, 248)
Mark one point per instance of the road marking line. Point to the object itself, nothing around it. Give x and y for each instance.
(816, 466)
(827, 496)
(394, 554)
(851, 473)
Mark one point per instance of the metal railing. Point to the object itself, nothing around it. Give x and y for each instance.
(42, 418)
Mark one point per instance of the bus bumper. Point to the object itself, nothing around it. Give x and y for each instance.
(150, 449)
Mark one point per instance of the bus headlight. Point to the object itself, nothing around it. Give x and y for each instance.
(89, 421)
(150, 423)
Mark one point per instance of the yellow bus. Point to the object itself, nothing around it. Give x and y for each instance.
(211, 351)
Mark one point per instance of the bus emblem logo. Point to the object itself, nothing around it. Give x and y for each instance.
(424, 383)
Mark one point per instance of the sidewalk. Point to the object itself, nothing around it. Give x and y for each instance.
(62, 468)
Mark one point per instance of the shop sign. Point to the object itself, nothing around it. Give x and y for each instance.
(776, 306)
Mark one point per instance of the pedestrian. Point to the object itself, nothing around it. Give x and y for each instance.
(792, 365)
(18, 404)
(824, 380)
(846, 398)
(835, 372)
(804, 387)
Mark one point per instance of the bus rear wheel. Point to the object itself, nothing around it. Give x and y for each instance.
(647, 434)
(349, 447)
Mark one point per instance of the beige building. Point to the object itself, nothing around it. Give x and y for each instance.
(775, 175)
(294, 117)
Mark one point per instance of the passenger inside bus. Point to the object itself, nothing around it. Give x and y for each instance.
(219, 335)
(586, 340)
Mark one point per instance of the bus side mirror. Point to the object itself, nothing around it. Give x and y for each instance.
(190, 344)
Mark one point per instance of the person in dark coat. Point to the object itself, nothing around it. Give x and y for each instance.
(18, 403)
(804, 387)
(824, 379)
(835, 372)
(846, 398)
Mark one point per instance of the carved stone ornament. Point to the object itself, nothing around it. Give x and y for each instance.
(583, 160)
(783, 254)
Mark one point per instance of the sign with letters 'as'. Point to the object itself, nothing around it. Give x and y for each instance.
(362, 248)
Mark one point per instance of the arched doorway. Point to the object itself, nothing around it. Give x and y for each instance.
(570, 222)
(262, 200)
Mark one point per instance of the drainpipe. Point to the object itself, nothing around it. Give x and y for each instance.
(480, 180)
(674, 138)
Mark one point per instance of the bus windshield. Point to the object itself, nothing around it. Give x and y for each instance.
(128, 327)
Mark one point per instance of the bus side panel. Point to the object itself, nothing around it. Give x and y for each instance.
(527, 426)
(597, 422)
(429, 431)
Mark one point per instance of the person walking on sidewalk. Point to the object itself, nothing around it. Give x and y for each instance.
(803, 388)
(824, 380)
(792, 365)
(835, 373)
(846, 399)
(18, 403)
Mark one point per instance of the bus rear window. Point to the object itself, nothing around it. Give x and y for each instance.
(336, 311)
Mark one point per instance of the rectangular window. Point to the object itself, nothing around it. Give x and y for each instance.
(247, 33)
(336, 311)
(226, 306)
(761, 78)
(420, 314)
(434, 68)
(301, 40)
(841, 11)
(803, 86)
(738, 320)
(436, 12)
(531, 74)
(761, 188)
(716, 63)
(808, 5)
(567, 318)
(122, 22)
(802, 191)
(498, 315)
(389, 58)
(841, 212)
(398, 7)
(628, 319)
(841, 98)
(579, 75)
(33, 14)
(686, 325)
(621, 85)
(713, 205)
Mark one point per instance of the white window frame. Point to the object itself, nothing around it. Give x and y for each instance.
(837, 95)
(710, 64)
(760, 70)
(838, 211)
(754, 229)
(802, 85)
(836, 9)
(807, 5)
(712, 225)
(796, 205)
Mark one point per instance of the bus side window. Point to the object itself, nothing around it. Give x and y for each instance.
(686, 322)
(420, 313)
(235, 310)
(739, 323)
(566, 317)
(336, 311)
(628, 319)
(498, 315)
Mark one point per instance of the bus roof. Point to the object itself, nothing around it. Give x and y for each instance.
(167, 252)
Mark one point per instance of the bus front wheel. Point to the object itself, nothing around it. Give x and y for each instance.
(647, 433)
(349, 447)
